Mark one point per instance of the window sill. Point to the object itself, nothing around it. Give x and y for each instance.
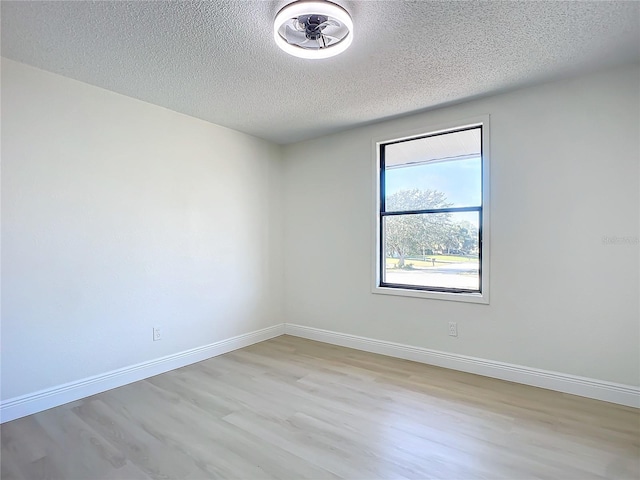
(453, 297)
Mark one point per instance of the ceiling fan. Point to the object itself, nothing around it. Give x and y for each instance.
(313, 29)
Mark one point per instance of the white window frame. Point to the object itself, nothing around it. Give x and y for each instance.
(483, 296)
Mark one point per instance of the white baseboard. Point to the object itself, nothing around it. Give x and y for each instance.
(585, 387)
(52, 397)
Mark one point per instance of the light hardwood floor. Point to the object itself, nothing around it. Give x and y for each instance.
(293, 408)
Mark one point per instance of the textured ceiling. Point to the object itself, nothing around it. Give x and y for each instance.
(217, 60)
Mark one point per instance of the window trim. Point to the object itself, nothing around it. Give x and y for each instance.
(485, 212)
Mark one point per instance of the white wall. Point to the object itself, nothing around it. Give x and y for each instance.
(118, 215)
(565, 173)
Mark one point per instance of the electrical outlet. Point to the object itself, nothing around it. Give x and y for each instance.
(453, 329)
(157, 334)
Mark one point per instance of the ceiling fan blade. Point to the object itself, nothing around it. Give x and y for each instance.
(297, 24)
(329, 23)
(293, 36)
(333, 39)
(327, 40)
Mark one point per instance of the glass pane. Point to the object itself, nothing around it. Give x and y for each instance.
(434, 172)
(432, 250)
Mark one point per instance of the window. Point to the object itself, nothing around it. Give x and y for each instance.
(432, 214)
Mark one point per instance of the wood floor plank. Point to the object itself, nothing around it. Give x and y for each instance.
(291, 408)
(78, 451)
(148, 453)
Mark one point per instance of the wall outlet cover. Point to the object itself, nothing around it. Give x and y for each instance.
(453, 329)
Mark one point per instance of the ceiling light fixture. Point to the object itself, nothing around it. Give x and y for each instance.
(313, 29)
